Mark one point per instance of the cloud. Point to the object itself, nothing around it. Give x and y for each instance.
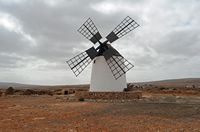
(37, 37)
(11, 24)
(180, 43)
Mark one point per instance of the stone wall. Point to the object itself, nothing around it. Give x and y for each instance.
(108, 95)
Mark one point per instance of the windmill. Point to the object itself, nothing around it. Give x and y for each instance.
(109, 66)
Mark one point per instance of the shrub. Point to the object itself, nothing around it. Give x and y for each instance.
(126, 89)
(1, 93)
(81, 99)
(162, 88)
(9, 91)
(29, 92)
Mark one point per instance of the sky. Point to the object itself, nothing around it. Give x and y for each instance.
(37, 37)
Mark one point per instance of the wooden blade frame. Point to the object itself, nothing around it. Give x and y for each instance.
(90, 31)
(82, 60)
(127, 25)
(118, 66)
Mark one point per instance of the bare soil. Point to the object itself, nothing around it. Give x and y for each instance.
(48, 113)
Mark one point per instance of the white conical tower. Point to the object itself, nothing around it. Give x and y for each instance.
(102, 79)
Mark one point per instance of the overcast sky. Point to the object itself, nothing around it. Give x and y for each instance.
(38, 36)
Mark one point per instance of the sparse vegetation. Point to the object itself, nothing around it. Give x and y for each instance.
(157, 100)
(81, 99)
(1, 93)
(162, 88)
(29, 92)
(28, 113)
(9, 91)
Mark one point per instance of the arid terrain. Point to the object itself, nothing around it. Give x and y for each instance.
(159, 109)
(48, 113)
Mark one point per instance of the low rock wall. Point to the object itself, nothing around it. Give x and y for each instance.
(108, 95)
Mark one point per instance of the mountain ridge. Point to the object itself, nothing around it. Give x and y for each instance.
(167, 82)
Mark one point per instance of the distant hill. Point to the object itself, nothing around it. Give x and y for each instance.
(5, 85)
(163, 83)
(174, 82)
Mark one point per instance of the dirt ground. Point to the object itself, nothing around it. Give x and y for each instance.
(46, 113)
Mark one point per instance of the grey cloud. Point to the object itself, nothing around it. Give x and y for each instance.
(9, 62)
(185, 43)
(12, 42)
(168, 34)
(54, 28)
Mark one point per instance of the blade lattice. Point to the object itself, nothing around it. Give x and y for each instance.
(127, 25)
(119, 66)
(90, 31)
(79, 63)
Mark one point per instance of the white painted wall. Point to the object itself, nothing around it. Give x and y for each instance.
(102, 79)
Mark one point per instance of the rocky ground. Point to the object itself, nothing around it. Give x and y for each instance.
(54, 113)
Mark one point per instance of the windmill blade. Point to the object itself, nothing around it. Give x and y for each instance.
(127, 25)
(82, 60)
(90, 31)
(110, 52)
(116, 62)
(118, 65)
